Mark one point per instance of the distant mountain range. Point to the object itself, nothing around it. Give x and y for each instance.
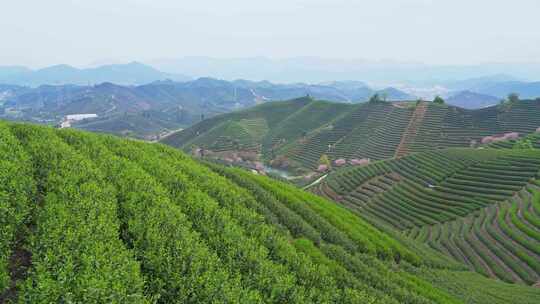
(147, 110)
(135, 73)
(164, 105)
(502, 89)
(480, 92)
(316, 70)
(479, 82)
(499, 85)
(142, 101)
(128, 74)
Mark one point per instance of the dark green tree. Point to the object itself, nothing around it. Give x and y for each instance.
(375, 98)
(438, 100)
(513, 97)
(324, 160)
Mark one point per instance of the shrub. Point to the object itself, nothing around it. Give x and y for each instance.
(375, 98)
(324, 160)
(513, 97)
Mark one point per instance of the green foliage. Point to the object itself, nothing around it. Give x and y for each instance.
(324, 160)
(525, 143)
(513, 98)
(176, 259)
(438, 100)
(17, 189)
(375, 98)
(76, 253)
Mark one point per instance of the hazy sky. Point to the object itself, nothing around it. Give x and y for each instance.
(80, 32)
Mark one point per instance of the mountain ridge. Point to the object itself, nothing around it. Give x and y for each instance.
(130, 74)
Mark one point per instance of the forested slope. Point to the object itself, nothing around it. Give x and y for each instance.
(94, 219)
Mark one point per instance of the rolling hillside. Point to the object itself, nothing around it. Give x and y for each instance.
(91, 218)
(478, 206)
(301, 131)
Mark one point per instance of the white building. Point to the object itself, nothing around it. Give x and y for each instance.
(76, 117)
(65, 124)
(68, 119)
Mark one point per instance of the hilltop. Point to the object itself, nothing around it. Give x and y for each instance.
(140, 223)
(296, 134)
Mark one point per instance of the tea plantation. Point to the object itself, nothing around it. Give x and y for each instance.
(302, 130)
(90, 218)
(478, 206)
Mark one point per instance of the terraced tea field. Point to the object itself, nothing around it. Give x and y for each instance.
(470, 204)
(303, 130)
(500, 241)
(244, 135)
